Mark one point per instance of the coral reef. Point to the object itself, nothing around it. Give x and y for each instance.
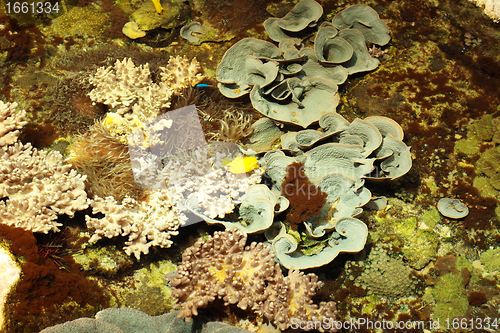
(256, 212)
(222, 267)
(151, 222)
(337, 159)
(198, 174)
(310, 86)
(37, 185)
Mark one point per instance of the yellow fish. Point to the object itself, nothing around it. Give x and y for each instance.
(241, 164)
(158, 6)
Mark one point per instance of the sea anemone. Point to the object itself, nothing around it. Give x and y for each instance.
(106, 162)
(235, 125)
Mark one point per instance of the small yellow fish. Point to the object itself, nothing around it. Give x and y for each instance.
(241, 164)
(158, 6)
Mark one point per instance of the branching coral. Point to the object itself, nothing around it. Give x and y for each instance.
(36, 184)
(10, 123)
(151, 222)
(222, 267)
(130, 90)
(199, 173)
(38, 187)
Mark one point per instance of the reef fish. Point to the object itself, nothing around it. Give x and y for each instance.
(158, 6)
(241, 164)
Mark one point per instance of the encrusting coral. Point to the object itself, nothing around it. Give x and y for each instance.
(222, 267)
(36, 184)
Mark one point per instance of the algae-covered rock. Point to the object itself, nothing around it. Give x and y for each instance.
(145, 289)
(86, 21)
(105, 260)
(419, 246)
(486, 129)
(9, 276)
(147, 18)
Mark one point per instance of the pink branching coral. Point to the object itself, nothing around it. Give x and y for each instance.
(222, 267)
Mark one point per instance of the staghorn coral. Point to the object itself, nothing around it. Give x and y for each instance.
(151, 222)
(10, 123)
(105, 161)
(222, 267)
(130, 90)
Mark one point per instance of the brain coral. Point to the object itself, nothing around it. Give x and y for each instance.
(222, 267)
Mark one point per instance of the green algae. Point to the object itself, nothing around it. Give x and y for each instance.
(468, 146)
(146, 289)
(85, 21)
(449, 297)
(491, 260)
(106, 260)
(431, 218)
(310, 246)
(483, 130)
(418, 246)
